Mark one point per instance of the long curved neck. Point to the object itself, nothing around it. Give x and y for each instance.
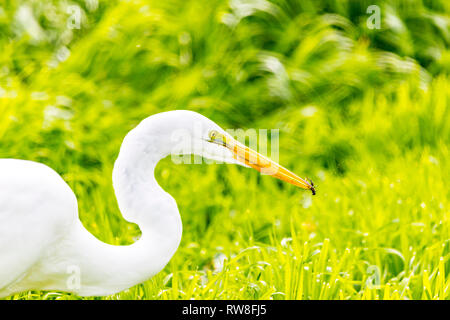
(142, 201)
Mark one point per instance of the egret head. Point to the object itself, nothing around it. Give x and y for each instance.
(181, 133)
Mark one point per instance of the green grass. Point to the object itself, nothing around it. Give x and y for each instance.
(364, 113)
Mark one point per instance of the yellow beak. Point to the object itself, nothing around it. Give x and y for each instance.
(259, 162)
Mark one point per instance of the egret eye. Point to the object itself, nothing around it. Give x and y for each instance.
(217, 138)
(213, 134)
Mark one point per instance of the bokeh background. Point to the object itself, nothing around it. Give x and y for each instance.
(363, 112)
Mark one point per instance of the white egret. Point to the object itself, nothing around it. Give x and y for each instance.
(43, 243)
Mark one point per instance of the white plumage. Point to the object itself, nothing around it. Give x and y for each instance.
(43, 244)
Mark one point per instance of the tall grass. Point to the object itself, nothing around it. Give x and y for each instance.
(364, 113)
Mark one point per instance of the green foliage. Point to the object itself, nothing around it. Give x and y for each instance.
(363, 112)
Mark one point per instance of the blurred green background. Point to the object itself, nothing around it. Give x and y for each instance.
(363, 112)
